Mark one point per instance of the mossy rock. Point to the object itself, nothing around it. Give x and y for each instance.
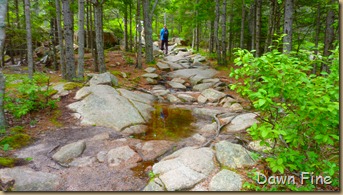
(52, 92)
(72, 85)
(16, 141)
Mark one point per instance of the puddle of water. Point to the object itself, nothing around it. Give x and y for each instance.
(140, 170)
(168, 123)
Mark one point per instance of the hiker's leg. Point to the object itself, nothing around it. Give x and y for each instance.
(162, 45)
(166, 46)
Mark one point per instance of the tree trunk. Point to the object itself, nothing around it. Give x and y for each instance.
(287, 40)
(216, 26)
(241, 43)
(99, 37)
(252, 25)
(68, 36)
(139, 42)
(211, 45)
(329, 34)
(53, 43)
(131, 42)
(271, 22)
(316, 39)
(87, 25)
(224, 41)
(29, 39)
(60, 38)
(258, 26)
(126, 46)
(81, 35)
(149, 57)
(3, 11)
(229, 45)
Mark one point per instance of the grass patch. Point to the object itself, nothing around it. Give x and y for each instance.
(16, 141)
(222, 68)
(72, 85)
(7, 162)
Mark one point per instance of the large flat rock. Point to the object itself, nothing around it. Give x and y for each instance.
(226, 180)
(197, 74)
(241, 122)
(185, 168)
(103, 105)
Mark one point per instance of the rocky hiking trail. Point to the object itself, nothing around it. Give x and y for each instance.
(115, 144)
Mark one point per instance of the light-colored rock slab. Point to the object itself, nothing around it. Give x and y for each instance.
(70, 151)
(226, 180)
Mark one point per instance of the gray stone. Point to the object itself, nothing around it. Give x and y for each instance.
(104, 106)
(209, 128)
(255, 145)
(241, 122)
(176, 85)
(232, 155)
(83, 162)
(101, 156)
(199, 138)
(104, 79)
(161, 92)
(173, 99)
(123, 155)
(186, 97)
(150, 69)
(206, 112)
(185, 168)
(178, 80)
(60, 90)
(236, 107)
(70, 151)
(102, 136)
(212, 95)
(29, 180)
(151, 81)
(202, 86)
(202, 99)
(163, 66)
(150, 75)
(136, 129)
(195, 73)
(214, 80)
(137, 96)
(150, 150)
(159, 87)
(199, 58)
(174, 65)
(82, 93)
(226, 180)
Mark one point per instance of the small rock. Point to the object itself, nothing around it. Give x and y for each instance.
(102, 136)
(104, 79)
(176, 85)
(83, 162)
(122, 156)
(173, 99)
(241, 122)
(186, 97)
(227, 105)
(202, 99)
(255, 145)
(211, 128)
(150, 75)
(155, 185)
(123, 74)
(178, 80)
(236, 107)
(161, 92)
(151, 81)
(136, 129)
(101, 156)
(226, 180)
(212, 95)
(199, 138)
(150, 69)
(215, 80)
(162, 66)
(202, 86)
(68, 152)
(159, 87)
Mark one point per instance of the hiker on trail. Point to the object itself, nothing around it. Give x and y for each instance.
(164, 38)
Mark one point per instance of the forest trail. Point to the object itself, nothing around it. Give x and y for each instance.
(133, 140)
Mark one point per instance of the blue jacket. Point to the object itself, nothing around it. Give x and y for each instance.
(164, 34)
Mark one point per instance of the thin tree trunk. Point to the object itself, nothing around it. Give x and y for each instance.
(68, 36)
(87, 25)
(29, 39)
(211, 45)
(231, 32)
(224, 41)
(287, 40)
(139, 42)
(60, 38)
(3, 11)
(99, 37)
(252, 25)
(17, 13)
(216, 26)
(148, 30)
(241, 43)
(258, 26)
(329, 35)
(316, 39)
(126, 46)
(271, 20)
(81, 35)
(131, 41)
(53, 43)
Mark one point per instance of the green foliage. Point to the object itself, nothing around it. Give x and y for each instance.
(298, 110)
(6, 162)
(15, 141)
(29, 95)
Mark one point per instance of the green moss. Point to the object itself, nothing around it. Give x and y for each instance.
(54, 118)
(7, 162)
(17, 129)
(16, 141)
(52, 92)
(71, 85)
(116, 73)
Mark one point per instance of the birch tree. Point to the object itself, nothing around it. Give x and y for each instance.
(29, 38)
(3, 11)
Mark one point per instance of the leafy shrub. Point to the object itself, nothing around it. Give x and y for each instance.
(29, 95)
(299, 111)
